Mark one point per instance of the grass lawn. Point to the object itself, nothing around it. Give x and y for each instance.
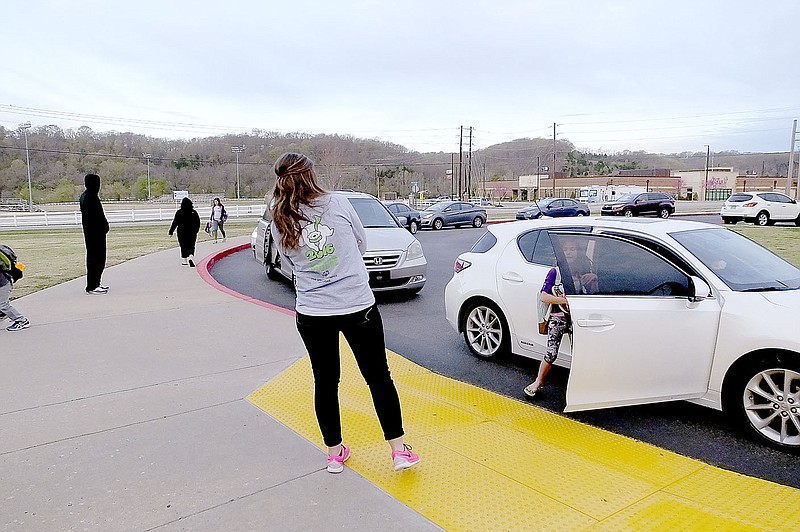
(55, 255)
(52, 256)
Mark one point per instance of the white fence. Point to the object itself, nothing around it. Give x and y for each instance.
(118, 216)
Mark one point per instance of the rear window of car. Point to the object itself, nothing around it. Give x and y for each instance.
(740, 198)
(484, 243)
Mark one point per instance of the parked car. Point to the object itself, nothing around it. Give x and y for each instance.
(554, 208)
(684, 310)
(483, 202)
(633, 204)
(408, 217)
(455, 213)
(760, 208)
(394, 258)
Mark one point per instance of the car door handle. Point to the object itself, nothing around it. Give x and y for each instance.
(595, 323)
(513, 277)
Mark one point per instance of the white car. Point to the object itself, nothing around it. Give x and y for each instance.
(685, 310)
(394, 258)
(760, 208)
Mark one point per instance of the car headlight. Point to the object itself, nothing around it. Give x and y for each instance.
(414, 251)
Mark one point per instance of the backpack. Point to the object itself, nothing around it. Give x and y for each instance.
(13, 269)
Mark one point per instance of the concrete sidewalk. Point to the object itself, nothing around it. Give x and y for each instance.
(128, 412)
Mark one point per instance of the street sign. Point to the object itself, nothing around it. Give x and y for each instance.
(414, 187)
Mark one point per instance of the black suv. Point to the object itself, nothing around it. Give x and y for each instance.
(635, 204)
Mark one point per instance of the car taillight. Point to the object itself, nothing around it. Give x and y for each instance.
(750, 204)
(461, 264)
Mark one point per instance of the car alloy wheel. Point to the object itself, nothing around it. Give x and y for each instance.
(770, 403)
(413, 227)
(627, 213)
(579, 214)
(477, 222)
(663, 213)
(485, 331)
(437, 224)
(762, 219)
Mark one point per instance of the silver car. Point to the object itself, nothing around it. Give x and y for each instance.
(394, 258)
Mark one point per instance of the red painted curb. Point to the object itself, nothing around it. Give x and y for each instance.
(204, 269)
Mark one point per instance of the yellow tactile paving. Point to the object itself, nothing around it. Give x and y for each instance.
(493, 463)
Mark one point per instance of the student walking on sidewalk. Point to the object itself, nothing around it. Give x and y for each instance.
(322, 238)
(218, 218)
(187, 222)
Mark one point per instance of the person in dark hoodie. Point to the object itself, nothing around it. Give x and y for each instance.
(187, 221)
(95, 229)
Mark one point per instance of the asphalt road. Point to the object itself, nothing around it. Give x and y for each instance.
(416, 328)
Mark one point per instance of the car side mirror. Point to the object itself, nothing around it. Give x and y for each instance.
(698, 289)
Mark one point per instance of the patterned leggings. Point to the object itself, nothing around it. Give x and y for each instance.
(556, 327)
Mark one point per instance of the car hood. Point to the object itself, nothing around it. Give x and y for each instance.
(386, 238)
(532, 208)
(789, 299)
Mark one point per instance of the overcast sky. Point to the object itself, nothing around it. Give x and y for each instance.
(662, 76)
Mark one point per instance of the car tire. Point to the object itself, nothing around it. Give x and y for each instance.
(580, 214)
(485, 330)
(627, 213)
(762, 218)
(762, 402)
(664, 213)
(477, 222)
(727, 220)
(797, 221)
(413, 227)
(437, 224)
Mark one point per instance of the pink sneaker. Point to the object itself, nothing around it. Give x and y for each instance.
(336, 463)
(405, 458)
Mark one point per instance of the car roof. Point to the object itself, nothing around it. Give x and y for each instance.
(353, 194)
(653, 226)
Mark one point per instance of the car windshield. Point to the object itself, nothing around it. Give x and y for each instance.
(372, 213)
(739, 262)
(438, 206)
(625, 198)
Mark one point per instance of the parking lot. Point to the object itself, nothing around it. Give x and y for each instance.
(416, 328)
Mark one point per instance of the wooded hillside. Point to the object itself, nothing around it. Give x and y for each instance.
(60, 158)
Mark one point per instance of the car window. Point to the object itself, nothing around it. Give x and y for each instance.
(484, 243)
(740, 198)
(780, 198)
(739, 262)
(526, 243)
(538, 249)
(372, 213)
(394, 208)
(622, 267)
(570, 203)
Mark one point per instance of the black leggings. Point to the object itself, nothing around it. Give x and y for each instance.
(364, 332)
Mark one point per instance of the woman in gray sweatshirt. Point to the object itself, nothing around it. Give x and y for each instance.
(321, 237)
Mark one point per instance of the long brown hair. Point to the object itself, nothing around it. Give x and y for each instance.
(296, 185)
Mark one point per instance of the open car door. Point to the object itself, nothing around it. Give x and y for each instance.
(641, 337)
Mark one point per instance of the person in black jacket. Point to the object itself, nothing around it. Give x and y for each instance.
(95, 229)
(187, 221)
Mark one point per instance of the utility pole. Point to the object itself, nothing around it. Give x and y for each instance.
(791, 161)
(452, 174)
(469, 165)
(460, 158)
(554, 160)
(708, 154)
(483, 181)
(538, 194)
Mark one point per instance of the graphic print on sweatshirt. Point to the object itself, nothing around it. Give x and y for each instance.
(321, 254)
